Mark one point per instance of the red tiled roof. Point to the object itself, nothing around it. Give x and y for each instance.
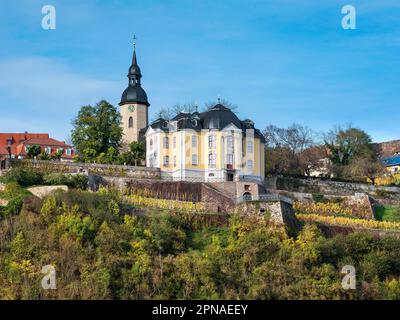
(3, 151)
(46, 142)
(20, 140)
(17, 138)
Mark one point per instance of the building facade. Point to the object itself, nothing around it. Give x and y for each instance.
(16, 145)
(209, 146)
(392, 164)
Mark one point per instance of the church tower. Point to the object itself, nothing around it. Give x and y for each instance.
(134, 105)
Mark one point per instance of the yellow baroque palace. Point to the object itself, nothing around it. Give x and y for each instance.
(209, 146)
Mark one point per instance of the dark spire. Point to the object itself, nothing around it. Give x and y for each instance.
(134, 74)
(134, 92)
(134, 61)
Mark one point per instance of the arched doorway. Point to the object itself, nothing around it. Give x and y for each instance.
(247, 196)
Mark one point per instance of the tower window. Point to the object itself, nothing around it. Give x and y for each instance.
(130, 122)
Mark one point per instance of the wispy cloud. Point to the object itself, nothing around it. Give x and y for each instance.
(42, 88)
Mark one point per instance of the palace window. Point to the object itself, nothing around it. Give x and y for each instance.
(211, 141)
(249, 164)
(174, 142)
(194, 160)
(194, 141)
(249, 146)
(151, 144)
(229, 159)
(212, 157)
(174, 161)
(130, 122)
(229, 143)
(166, 161)
(166, 142)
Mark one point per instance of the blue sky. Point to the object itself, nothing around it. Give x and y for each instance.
(280, 61)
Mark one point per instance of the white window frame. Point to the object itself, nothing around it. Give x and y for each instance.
(195, 160)
(250, 164)
(229, 158)
(166, 161)
(212, 141)
(166, 142)
(212, 160)
(194, 141)
(250, 146)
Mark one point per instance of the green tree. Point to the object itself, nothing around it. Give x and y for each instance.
(346, 143)
(135, 155)
(58, 154)
(137, 151)
(96, 129)
(44, 156)
(33, 151)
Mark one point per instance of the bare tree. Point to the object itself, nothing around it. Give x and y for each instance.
(295, 138)
(362, 167)
(168, 113)
(286, 148)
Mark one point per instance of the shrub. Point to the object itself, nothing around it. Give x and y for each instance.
(24, 177)
(14, 207)
(12, 190)
(72, 181)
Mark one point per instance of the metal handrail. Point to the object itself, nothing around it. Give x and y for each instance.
(263, 197)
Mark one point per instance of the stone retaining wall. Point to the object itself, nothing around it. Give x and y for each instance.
(85, 168)
(327, 187)
(280, 212)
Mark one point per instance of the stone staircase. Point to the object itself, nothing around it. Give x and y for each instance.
(228, 189)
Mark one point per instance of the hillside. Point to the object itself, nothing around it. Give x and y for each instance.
(103, 248)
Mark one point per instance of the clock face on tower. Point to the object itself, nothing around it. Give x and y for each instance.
(131, 108)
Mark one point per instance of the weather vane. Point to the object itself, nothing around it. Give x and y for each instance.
(134, 41)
